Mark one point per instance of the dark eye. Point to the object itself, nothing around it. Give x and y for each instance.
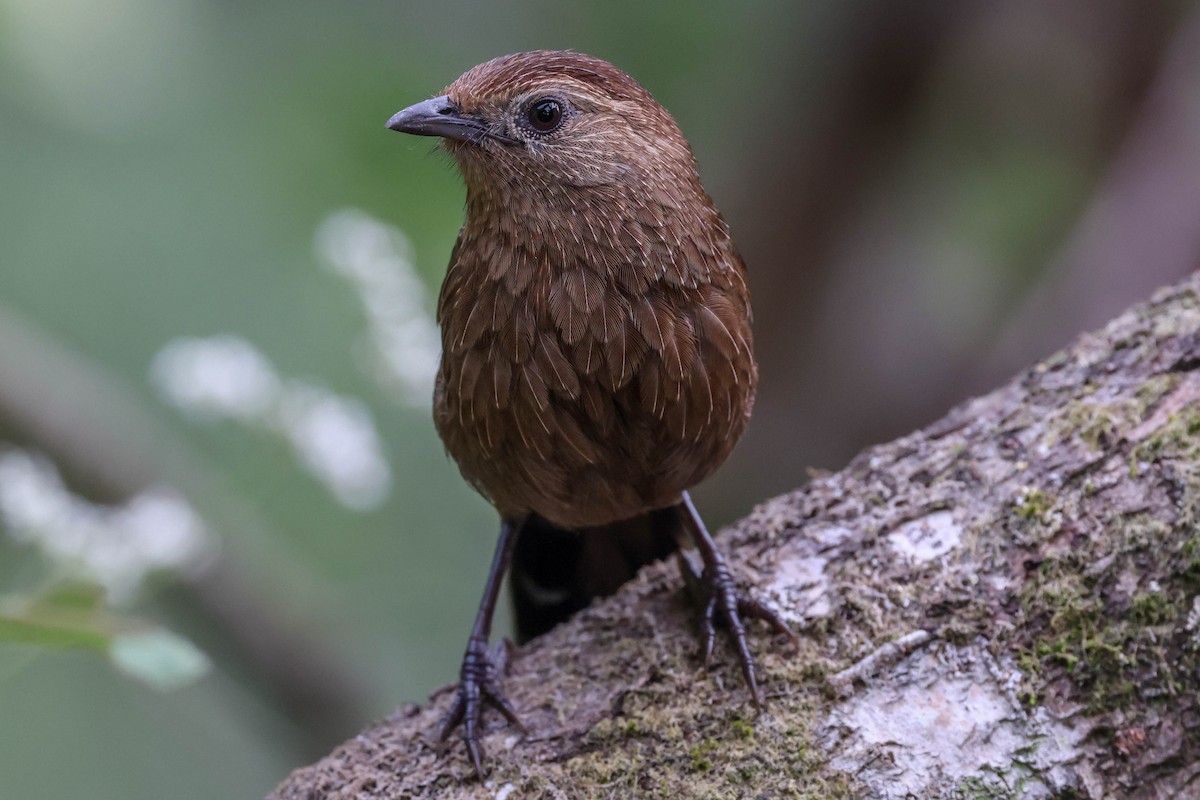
(545, 115)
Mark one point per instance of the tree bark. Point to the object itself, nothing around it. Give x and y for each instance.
(1005, 604)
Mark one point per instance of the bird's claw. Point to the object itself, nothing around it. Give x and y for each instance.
(730, 606)
(476, 691)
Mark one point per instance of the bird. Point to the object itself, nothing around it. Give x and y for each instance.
(597, 356)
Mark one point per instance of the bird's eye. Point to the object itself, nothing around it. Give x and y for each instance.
(545, 115)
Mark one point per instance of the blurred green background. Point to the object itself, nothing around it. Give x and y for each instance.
(217, 270)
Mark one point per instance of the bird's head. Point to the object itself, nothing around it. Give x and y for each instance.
(553, 123)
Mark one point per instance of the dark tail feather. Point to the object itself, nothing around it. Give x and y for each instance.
(556, 571)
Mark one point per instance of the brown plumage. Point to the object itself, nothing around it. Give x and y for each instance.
(595, 316)
(597, 354)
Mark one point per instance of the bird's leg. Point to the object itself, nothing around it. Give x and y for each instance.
(477, 677)
(723, 600)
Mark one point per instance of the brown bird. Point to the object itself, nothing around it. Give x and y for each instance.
(597, 358)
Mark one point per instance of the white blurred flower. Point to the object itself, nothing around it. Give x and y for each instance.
(116, 546)
(221, 376)
(333, 436)
(402, 338)
(335, 439)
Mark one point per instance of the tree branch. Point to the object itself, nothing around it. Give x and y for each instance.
(1004, 604)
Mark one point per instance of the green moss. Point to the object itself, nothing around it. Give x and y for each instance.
(981, 788)
(700, 757)
(1113, 646)
(660, 747)
(746, 774)
(1153, 390)
(1190, 556)
(1033, 503)
(1100, 424)
(742, 728)
(1119, 644)
(1097, 424)
(1178, 439)
(1030, 664)
(1152, 608)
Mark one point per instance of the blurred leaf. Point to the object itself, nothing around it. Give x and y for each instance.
(159, 658)
(49, 631)
(77, 595)
(72, 614)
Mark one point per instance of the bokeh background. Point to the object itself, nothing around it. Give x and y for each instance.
(229, 537)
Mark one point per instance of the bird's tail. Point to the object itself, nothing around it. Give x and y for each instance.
(556, 571)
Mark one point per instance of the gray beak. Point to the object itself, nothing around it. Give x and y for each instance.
(438, 116)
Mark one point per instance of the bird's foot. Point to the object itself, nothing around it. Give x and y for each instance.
(477, 690)
(731, 607)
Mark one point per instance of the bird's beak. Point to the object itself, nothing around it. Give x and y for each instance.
(438, 116)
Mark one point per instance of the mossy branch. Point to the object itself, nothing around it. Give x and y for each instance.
(1004, 604)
